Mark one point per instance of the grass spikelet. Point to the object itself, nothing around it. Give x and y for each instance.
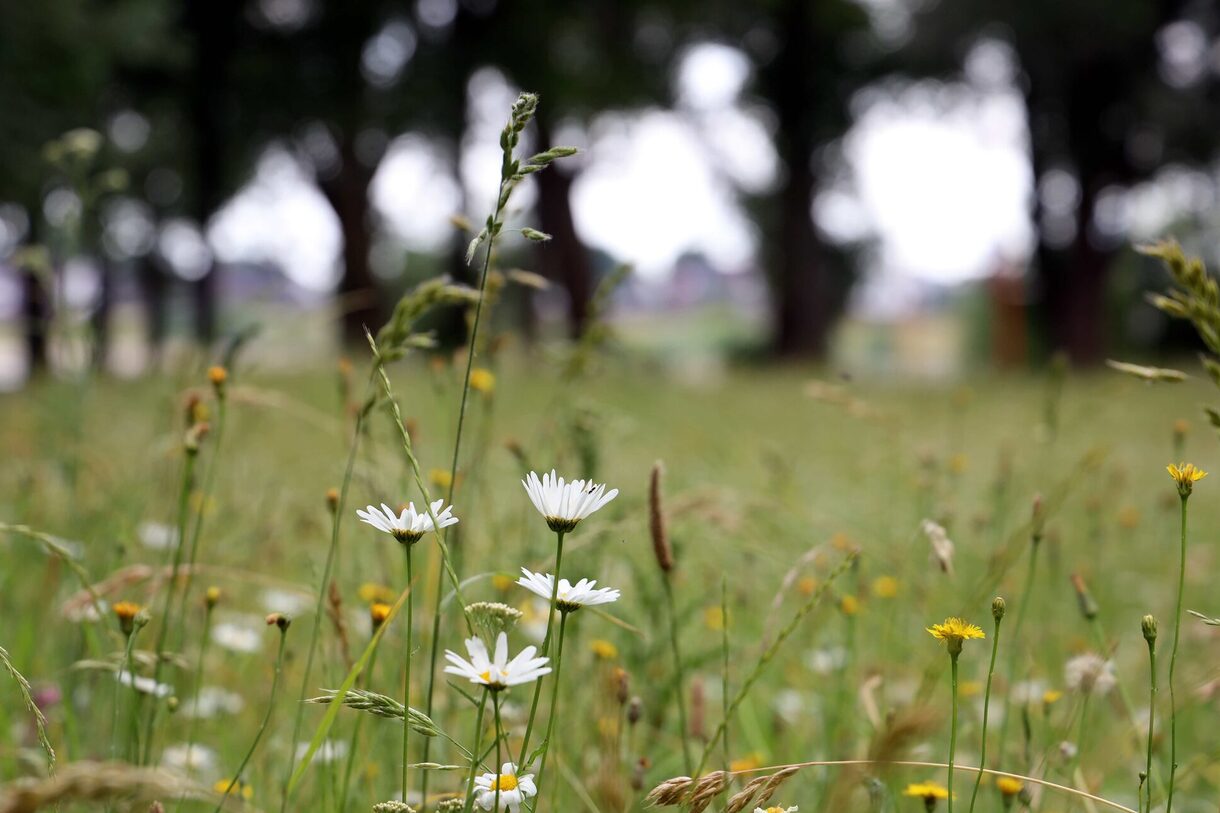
(707, 789)
(96, 783)
(670, 792)
(40, 721)
(656, 520)
(379, 705)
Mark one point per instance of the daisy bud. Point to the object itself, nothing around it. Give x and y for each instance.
(635, 710)
(622, 683)
(1088, 607)
(490, 618)
(332, 499)
(1148, 625)
(211, 597)
(393, 806)
(453, 805)
(278, 620)
(656, 521)
(997, 608)
(1038, 514)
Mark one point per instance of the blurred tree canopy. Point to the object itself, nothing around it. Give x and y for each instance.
(205, 87)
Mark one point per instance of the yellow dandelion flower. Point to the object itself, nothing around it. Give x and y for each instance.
(958, 464)
(1051, 696)
(483, 380)
(502, 582)
(1009, 785)
(1185, 475)
(378, 613)
(849, 605)
(807, 585)
(841, 541)
(373, 593)
(440, 478)
(234, 787)
(969, 688)
(747, 763)
(218, 376)
(713, 618)
(930, 792)
(603, 649)
(885, 587)
(954, 631)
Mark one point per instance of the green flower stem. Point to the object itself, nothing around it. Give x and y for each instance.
(1080, 733)
(336, 522)
(1173, 659)
(546, 642)
(125, 666)
(203, 652)
(679, 677)
(550, 723)
(406, 691)
(495, 703)
(279, 664)
(188, 475)
(952, 726)
(1026, 591)
(995, 646)
(474, 752)
(1151, 720)
(209, 479)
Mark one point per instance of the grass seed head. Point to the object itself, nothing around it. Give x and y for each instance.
(656, 521)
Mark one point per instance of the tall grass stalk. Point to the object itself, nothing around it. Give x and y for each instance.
(406, 690)
(355, 739)
(209, 605)
(336, 523)
(1149, 627)
(124, 668)
(184, 494)
(1022, 608)
(282, 624)
(997, 613)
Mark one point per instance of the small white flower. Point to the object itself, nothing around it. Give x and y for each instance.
(291, 602)
(1090, 673)
(498, 672)
(563, 504)
(144, 685)
(827, 660)
(777, 809)
(192, 758)
(212, 701)
(237, 637)
(410, 525)
(571, 597)
(157, 536)
(512, 789)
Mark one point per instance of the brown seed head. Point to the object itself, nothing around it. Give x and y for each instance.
(656, 521)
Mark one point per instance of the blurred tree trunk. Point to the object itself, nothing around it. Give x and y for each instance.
(564, 258)
(211, 25)
(799, 289)
(1074, 280)
(347, 190)
(100, 317)
(35, 314)
(152, 280)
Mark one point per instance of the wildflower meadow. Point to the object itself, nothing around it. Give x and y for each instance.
(554, 578)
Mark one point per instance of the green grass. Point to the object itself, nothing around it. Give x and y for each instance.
(759, 474)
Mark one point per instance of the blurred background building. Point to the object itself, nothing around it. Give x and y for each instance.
(897, 185)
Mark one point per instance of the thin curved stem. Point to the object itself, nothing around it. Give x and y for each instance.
(952, 727)
(995, 646)
(203, 651)
(1173, 659)
(474, 752)
(678, 674)
(406, 691)
(546, 641)
(495, 702)
(124, 667)
(552, 714)
(279, 663)
(351, 750)
(1022, 606)
(1151, 721)
(209, 479)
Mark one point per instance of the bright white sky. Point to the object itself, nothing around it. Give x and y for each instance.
(936, 174)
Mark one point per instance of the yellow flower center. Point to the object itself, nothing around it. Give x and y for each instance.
(486, 676)
(505, 781)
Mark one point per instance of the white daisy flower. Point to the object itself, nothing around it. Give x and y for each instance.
(512, 789)
(157, 536)
(777, 809)
(565, 504)
(237, 637)
(571, 597)
(498, 672)
(194, 758)
(212, 701)
(410, 525)
(144, 685)
(1090, 673)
